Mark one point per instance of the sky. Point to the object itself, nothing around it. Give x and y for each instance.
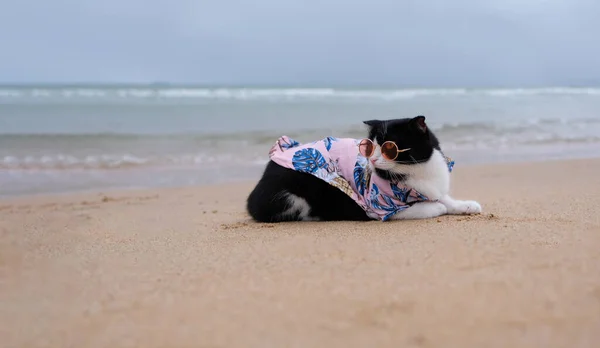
(425, 43)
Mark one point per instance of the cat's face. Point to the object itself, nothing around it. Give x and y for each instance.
(406, 133)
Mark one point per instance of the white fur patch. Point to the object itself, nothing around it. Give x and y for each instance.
(298, 205)
(432, 179)
(423, 210)
(457, 207)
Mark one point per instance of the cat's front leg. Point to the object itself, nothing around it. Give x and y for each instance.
(422, 210)
(458, 207)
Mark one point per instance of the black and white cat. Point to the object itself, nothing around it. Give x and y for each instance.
(283, 194)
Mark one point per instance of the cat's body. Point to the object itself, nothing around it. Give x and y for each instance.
(285, 194)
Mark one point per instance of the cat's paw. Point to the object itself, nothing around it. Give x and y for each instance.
(423, 210)
(437, 209)
(465, 208)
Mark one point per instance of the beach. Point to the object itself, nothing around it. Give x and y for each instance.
(185, 267)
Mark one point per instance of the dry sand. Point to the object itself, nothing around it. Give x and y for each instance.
(186, 268)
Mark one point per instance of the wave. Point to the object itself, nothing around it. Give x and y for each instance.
(61, 161)
(247, 157)
(119, 162)
(66, 162)
(512, 126)
(112, 151)
(267, 136)
(8, 94)
(552, 139)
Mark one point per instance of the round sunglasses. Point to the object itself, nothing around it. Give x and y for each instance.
(389, 149)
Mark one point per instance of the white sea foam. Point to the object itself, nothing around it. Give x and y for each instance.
(118, 162)
(230, 154)
(10, 93)
(276, 94)
(66, 162)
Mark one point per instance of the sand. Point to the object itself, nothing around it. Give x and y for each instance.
(187, 268)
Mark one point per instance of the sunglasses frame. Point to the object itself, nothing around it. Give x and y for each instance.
(382, 145)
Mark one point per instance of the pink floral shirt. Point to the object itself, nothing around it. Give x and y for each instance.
(339, 163)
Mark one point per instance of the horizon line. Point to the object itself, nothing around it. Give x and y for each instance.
(287, 86)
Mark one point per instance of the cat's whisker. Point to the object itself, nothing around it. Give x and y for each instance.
(394, 176)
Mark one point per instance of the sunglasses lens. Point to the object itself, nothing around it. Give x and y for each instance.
(366, 148)
(389, 150)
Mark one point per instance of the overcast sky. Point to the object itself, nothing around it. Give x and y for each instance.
(302, 42)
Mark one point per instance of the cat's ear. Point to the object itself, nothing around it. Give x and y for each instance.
(419, 123)
(372, 123)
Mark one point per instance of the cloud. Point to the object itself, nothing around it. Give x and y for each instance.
(392, 42)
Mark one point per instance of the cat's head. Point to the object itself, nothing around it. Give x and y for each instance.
(406, 133)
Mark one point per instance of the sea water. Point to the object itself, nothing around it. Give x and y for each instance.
(72, 138)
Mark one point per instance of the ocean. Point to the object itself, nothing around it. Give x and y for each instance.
(56, 139)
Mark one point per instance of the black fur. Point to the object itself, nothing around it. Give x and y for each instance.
(267, 201)
(410, 133)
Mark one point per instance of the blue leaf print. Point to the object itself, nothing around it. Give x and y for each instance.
(292, 143)
(421, 197)
(388, 205)
(308, 160)
(328, 142)
(389, 201)
(450, 164)
(360, 177)
(374, 192)
(400, 193)
(387, 216)
(398, 209)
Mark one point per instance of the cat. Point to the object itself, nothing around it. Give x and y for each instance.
(292, 193)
